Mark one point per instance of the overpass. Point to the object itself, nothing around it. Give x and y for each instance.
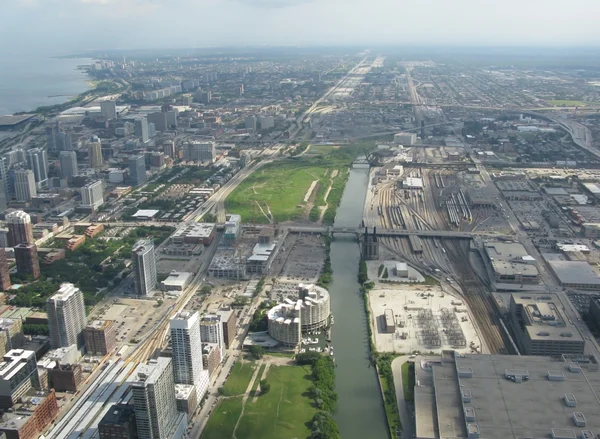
(359, 231)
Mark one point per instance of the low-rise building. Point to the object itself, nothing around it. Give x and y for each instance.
(186, 398)
(211, 357)
(18, 374)
(75, 242)
(65, 377)
(540, 327)
(511, 263)
(176, 282)
(572, 274)
(194, 233)
(118, 423)
(30, 417)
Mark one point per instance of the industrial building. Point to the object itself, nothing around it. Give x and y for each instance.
(100, 337)
(194, 233)
(284, 323)
(540, 327)
(316, 307)
(506, 396)
(176, 282)
(511, 263)
(572, 274)
(405, 139)
(66, 317)
(18, 374)
(154, 401)
(412, 183)
(591, 230)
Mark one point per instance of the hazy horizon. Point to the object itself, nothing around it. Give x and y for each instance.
(72, 26)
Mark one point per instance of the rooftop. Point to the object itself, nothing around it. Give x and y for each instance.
(199, 230)
(479, 387)
(100, 324)
(118, 414)
(572, 272)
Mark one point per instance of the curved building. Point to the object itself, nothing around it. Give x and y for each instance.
(284, 323)
(316, 307)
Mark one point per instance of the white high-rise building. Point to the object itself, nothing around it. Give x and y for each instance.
(38, 163)
(68, 164)
(187, 352)
(66, 317)
(92, 195)
(144, 267)
(25, 187)
(95, 153)
(156, 414)
(211, 330)
(199, 152)
(108, 109)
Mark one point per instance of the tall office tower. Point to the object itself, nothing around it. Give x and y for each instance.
(64, 141)
(250, 123)
(57, 139)
(141, 129)
(95, 153)
(20, 229)
(144, 267)
(27, 259)
(172, 118)
(137, 169)
(159, 120)
(68, 164)
(153, 389)
(206, 97)
(199, 152)
(187, 351)
(16, 156)
(25, 187)
(240, 90)
(108, 109)
(5, 274)
(92, 195)
(169, 149)
(66, 317)
(38, 163)
(3, 197)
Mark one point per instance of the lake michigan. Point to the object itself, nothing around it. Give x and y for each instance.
(29, 81)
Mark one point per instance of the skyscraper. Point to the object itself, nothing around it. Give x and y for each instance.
(154, 400)
(92, 195)
(187, 351)
(169, 149)
(25, 187)
(159, 120)
(108, 109)
(4, 273)
(20, 229)
(27, 259)
(199, 152)
(4, 165)
(141, 129)
(3, 197)
(144, 267)
(66, 316)
(95, 153)
(137, 169)
(68, 164)
(38, 163)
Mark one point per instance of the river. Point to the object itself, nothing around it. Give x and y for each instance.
(360, 412)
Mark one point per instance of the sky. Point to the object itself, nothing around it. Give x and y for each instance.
(70, 26)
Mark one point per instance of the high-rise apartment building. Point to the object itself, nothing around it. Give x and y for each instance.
(68, 164)
(26, 257)
(25, 188)
(187, 351)
(4, 176)
(92, 195)
(38, 163)
(199, 152)
(169, 149)
(95, 153)
(141, 129)
(211, 330)
(108, 109)
(156, 412)
(20, 229)
(144, 267)
(137, 169)
(100, 337)
(4, 273)
(57, 140)
(66, 316)
(172, 118)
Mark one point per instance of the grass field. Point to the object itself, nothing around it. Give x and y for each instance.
(281, 413)
(240, 377)
(222, 421)
(322, 149)
(408, 383)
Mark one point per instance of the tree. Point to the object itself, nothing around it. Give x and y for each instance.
(257, 352)
(206, 289)
(264, 387)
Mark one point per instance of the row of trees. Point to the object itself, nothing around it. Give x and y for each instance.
(323, 392)
(327, 275)
(363, 276)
